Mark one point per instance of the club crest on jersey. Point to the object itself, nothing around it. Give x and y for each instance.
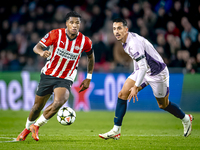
(77, 48)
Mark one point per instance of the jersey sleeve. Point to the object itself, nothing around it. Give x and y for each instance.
(88, 46)
(138, 52)
(49, 39)
(139, 57)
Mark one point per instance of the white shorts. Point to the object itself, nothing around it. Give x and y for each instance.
(159, 83)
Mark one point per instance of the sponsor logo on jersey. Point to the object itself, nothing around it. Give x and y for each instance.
(66, 54)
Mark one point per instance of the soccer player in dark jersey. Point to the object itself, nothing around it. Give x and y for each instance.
(59, 72)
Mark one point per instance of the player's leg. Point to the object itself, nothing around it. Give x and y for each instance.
(119, 111)
(39, 103)
(161, 92)
(61, 95)
(165, 104)
(121, 107)
(61, 88)
(122, 103)
(172, 108)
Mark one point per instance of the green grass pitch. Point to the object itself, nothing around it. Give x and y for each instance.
(140, 130)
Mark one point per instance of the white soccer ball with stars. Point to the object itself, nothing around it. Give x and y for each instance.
(66, 116)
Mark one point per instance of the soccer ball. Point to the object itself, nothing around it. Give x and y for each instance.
(66, 116)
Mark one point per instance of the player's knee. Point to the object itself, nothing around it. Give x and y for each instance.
(162, 102)
(58, 103)
(122, 95)
(162, 106)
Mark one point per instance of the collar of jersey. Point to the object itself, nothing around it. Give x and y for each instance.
(124, 45)
(69, 37)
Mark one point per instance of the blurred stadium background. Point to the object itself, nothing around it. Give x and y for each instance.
(172, 26)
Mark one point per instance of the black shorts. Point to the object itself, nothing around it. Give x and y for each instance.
(49, 83)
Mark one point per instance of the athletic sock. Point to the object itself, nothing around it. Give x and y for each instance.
(117, 128)
(28, 123)
(175, 110)
(186, 118)
(120, 111)
(41, 121)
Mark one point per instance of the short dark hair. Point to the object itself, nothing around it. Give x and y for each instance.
(120, 20)
(72, 14)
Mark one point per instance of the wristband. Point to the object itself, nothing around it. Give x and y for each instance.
(89, 76)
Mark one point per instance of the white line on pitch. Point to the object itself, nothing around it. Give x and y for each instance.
(12, 139)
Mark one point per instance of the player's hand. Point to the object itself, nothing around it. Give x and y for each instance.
(133, 94)
(84, 85)
(45, 54)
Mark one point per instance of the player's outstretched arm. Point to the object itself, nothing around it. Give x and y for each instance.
(38, 49)
(142, 64)
(90, 67)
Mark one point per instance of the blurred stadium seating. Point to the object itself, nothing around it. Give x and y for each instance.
(173, 26)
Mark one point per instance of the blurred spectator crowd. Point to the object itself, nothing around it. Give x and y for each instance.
(172, 26)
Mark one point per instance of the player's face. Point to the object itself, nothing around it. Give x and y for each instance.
(119, 30)
(73, 25)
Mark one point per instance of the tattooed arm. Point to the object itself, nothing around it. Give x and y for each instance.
(90, 64)
(90, 67)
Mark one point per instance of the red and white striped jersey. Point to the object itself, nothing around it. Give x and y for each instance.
(65, 53)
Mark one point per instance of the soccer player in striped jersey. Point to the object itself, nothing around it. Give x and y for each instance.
(149, 69)
(59, 72)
